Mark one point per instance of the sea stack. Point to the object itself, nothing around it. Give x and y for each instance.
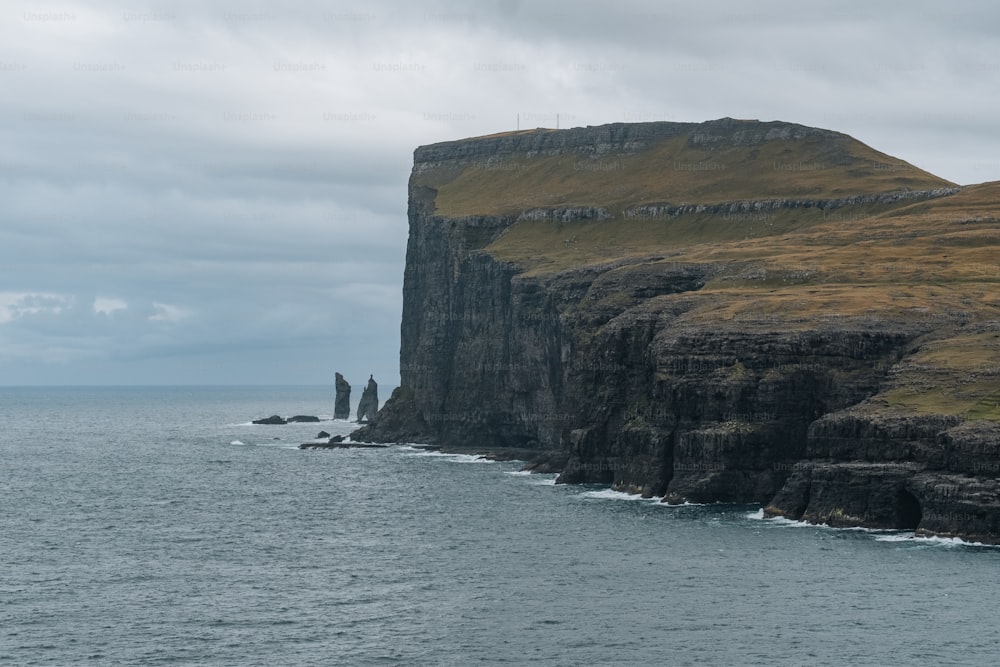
(342, 403)
(369, 401)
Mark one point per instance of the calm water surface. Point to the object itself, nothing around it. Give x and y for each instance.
(156, 526)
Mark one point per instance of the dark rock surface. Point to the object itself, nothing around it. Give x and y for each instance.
(938, 475)
(303, 419)
(273, 419)
(340, 442)
(322, 434)
(601, 371)
(368, 407)
(342, 402)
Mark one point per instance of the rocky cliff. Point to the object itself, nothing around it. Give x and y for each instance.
(368, 406)
(730, 311)
(342, 401)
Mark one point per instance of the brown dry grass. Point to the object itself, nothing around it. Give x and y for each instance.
(675, 171)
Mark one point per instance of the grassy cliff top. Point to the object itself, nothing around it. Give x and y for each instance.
(678, 163)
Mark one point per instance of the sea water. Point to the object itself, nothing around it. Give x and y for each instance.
(157, 526)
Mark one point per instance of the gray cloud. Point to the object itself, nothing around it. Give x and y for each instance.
(217, 193)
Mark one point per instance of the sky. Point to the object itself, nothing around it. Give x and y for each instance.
(215, 193)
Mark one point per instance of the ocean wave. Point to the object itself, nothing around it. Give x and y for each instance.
(611, 494)
(792, 523)
(782, 521)
(454, 458)
(535, 478)
(932, 540)
(274, 444)
(880, 534)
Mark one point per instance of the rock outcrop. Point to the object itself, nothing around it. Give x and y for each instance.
(303, 419)
(342, 402)
(278, 420)
(340, 442)
(619, 300)
(368, 407)
(275, 420)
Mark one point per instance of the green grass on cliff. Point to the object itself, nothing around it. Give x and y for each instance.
(675, 171)
(545, 246)
(958, 375)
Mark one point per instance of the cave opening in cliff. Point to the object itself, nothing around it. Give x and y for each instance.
(908, 511)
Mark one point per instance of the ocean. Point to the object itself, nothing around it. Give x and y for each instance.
(157, 526)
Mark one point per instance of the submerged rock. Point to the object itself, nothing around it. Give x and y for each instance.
(369, 401)
(342, 403)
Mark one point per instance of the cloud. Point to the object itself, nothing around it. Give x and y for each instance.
(107, 305)
(168, 313)
(17, 305)
(189, 189)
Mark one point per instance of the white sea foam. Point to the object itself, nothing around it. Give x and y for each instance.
(454, 458)
(535, 478)
(898, 537)
(932, 540)
(880, 534)
(275, 444)
(424, 452)
(611, 494)
(411, 448)
(792, 523)
(468, 458)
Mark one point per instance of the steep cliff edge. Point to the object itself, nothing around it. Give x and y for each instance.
(729, 311)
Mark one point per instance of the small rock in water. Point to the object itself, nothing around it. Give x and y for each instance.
(273, 419)
(369, 401)
(342, 402)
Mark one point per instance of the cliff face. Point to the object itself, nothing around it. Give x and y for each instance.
(664, 333)
(342, 401)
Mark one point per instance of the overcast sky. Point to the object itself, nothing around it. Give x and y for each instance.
(215, 193)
